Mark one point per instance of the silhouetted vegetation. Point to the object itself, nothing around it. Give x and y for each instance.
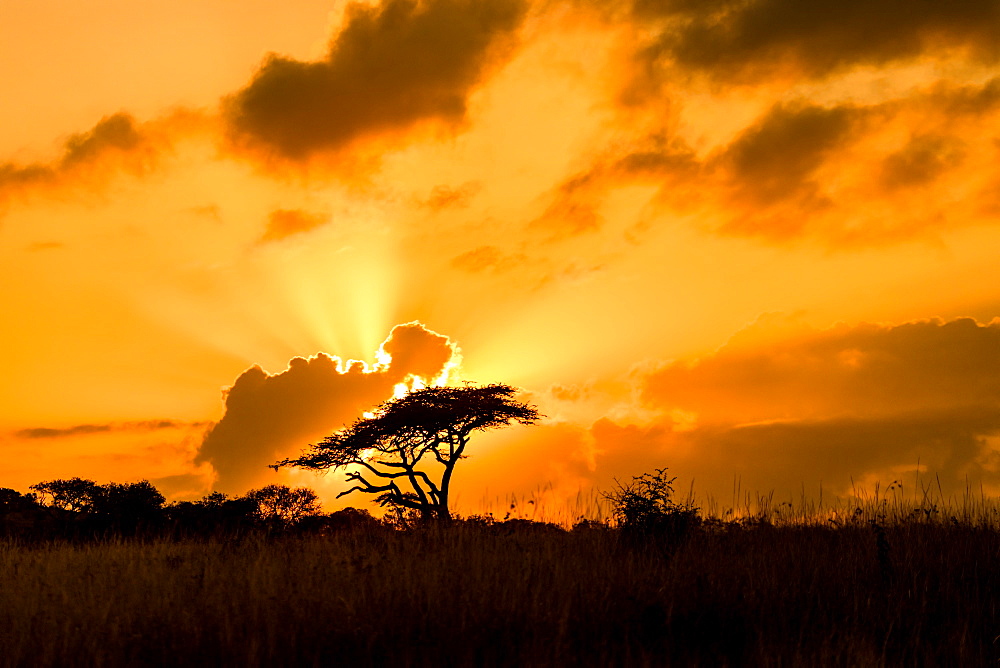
(391, 445)
(267, 579)
(78, 509)
(647, 513)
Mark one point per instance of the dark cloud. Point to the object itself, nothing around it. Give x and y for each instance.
(967, 100)
(391, 66)
(112, 133)
(951, 444)
(805, 171)
(114, 136)
(825, 405)
(284, 223)
(272, 416)
(14, 177)
(768, 173)
(746, 40)
(182, 485)
(81, 429)
(867, 370)
(776, 157)
(789, 456)
(922, 160)
(46, 432)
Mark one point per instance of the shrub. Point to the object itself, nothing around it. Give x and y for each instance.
(645, 507)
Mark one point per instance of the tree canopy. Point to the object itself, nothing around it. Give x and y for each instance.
(392, 449)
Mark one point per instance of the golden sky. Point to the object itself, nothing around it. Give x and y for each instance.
(749, 240)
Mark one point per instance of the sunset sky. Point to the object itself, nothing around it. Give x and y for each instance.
(751, 240)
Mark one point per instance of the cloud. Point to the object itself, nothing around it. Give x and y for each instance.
(116, 143)
(845, 174)
(445, 197)
(283, 223)
(862, 371)
(268, 417)
(921, 161)
(45, 246)
(858, 175)
(416, 350)
(390, 67)
(956, 447)
(185, 486)
(80, 429)
(751, 40)
(775, 158)
(485, 258)
(575, 203)
(781, 407)
(864, 401)
(112, 133)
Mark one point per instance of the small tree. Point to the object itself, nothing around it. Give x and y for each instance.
(284, 505)
(646, 506)
(404, 435)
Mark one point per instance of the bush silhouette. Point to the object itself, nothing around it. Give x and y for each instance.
(283, 506)
(644, 508)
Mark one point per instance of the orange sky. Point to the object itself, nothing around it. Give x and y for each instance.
(738, 239)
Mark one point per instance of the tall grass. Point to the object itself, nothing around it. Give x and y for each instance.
(923, 502)
(883, 587)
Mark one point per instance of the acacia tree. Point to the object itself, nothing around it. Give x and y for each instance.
(393, 448)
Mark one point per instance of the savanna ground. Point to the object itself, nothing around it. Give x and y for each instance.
(872, 584)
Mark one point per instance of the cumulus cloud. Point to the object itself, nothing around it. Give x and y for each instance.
(748, 40)
(270, 416)
(390, 67)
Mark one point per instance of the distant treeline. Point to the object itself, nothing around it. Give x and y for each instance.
(77, 508)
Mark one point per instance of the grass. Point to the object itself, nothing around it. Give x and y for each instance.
(881, 587)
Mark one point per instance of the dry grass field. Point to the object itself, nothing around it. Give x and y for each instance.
(879, 584)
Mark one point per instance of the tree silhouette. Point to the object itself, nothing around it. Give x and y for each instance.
(404, 435)
(282, 505)
(76, 494)
(12, 501)
(128, 507)
(215, 514)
